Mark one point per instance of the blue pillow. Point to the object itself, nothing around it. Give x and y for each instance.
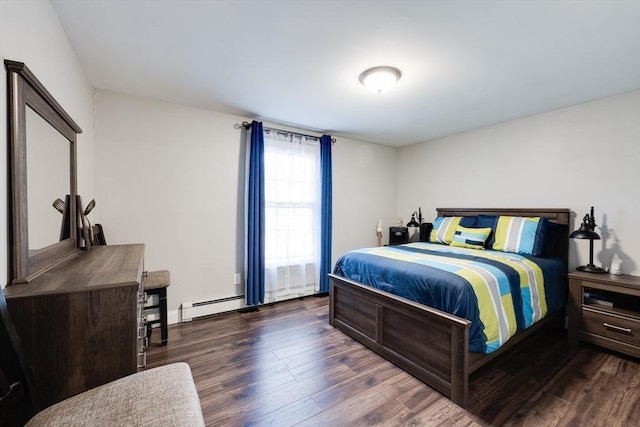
(488, 221)
(555, 231)
(541, 237)
(523, 235)
(468, 221)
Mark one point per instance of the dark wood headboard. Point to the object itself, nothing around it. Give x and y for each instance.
(559, 216)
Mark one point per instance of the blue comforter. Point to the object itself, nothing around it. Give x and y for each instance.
(499, 292)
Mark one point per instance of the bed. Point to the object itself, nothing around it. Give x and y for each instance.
(429, 343)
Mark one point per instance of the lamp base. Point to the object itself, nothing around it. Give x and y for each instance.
(591, 269)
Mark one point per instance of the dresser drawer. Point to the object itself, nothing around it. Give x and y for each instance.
(610, 326)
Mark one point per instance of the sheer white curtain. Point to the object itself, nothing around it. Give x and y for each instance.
(292, 215)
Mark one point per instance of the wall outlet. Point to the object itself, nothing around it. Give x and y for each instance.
(237, 278)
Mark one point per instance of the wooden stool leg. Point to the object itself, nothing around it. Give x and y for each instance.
(163, 316)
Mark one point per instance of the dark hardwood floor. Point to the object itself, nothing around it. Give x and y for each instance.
(285, 365)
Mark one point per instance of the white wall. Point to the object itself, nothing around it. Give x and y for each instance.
(364, 191)
(31, 33)
(577, 157)
(172, 177)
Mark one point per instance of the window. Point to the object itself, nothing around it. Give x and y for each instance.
(292, 215)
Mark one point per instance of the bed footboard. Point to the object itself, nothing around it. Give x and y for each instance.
(430, 344)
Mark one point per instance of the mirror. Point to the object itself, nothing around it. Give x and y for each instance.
(47, 180)
(42, 150)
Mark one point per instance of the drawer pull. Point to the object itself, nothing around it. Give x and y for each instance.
(142, 360)
(617, 328)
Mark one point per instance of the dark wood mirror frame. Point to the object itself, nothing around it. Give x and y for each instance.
(25, 90)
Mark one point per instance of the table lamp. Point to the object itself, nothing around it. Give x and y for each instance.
(586, 231)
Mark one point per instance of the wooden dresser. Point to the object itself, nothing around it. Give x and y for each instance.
(80, 322)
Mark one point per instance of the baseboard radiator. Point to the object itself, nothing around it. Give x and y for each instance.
(192, 310)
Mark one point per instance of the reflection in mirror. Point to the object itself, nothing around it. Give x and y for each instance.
(47, 179)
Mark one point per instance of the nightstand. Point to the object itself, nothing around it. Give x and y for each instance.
(604, 309)
(398, 235)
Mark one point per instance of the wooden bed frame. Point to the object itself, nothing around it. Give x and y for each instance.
(428, 343)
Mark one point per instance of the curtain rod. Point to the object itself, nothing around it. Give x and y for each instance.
(247, 125)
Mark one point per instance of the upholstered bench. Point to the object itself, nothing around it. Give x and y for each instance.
(164, 396)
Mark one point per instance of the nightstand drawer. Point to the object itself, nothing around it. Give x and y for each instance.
(611, 326)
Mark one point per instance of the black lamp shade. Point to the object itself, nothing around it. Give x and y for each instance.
(585, 233)
(413, 222)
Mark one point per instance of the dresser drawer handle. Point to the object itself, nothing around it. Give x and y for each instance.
(142, 360)
(617, 328)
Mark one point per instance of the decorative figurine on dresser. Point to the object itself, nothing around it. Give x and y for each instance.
(76, 312)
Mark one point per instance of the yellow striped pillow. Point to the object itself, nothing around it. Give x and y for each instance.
(444, 227)
(472, 238)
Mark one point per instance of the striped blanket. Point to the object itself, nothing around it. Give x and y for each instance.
(499, 292)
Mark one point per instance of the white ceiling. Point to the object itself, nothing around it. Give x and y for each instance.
(465, 64)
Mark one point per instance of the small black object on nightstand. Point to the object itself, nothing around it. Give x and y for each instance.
(398, 235)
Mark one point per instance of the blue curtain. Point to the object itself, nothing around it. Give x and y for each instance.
(255, 217)
(326, 212)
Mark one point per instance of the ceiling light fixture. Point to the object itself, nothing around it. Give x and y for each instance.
(379, 79)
